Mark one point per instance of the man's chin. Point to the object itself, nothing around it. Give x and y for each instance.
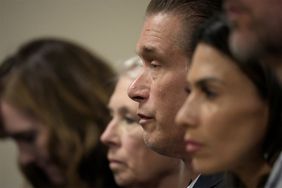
(162, 148)
(152, 144)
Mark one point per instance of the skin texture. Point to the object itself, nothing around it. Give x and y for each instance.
(255, 27)
(31, 138)
(133, 164)
(224, 117)
(159, 89)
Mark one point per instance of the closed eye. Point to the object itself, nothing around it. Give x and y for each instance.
(28, 136)
(130, 120)
(208, 85)
(128, 116)
(209, 93)
(155, 64)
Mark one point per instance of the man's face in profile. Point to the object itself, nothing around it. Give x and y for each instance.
(160, 88)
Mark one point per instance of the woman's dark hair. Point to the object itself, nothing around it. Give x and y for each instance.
(215, 32)
(66, 88)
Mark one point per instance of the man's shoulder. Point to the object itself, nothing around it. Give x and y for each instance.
(209, 181)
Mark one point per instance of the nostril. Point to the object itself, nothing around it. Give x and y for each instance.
(138, 90)
(137, 98)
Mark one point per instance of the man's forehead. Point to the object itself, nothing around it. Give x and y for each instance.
(160, 29)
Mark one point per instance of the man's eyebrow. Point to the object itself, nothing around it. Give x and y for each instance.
(147, 51)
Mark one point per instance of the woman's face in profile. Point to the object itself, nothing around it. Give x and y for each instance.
(226, 120)
(31, 138)
(130, 160)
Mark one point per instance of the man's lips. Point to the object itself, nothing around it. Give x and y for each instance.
(144, 119)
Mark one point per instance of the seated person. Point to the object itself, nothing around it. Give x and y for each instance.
(133, 164)
(54, 105)
(232, 112)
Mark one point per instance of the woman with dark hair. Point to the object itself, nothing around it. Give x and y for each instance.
(54, 105)
(232, 113)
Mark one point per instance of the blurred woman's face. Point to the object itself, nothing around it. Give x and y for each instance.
(130, 160)
(31, 138)
(225, 118)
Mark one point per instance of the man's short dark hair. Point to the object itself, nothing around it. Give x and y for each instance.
(192, 12)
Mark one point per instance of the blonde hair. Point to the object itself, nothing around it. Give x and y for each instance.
(131, 67)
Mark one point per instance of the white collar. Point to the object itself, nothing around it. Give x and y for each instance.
(191, 185)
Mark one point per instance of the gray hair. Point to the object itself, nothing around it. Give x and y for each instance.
(131, 67)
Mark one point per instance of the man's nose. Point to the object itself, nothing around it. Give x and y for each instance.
(139, 89)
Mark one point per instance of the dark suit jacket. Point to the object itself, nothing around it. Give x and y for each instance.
(209, 181)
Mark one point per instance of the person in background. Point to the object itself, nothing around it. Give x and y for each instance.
(232, 112)
(255, 31)
(133, 164)
(164, 46)
(54, 106)
(256, 34)
(6, 68)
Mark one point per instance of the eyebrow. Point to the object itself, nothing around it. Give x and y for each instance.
(207, 80)
(122, 109)
(147, 52)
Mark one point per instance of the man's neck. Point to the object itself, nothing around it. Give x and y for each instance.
(180, 177)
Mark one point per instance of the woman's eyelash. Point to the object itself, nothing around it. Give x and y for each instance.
(130, 120)
(208, 92)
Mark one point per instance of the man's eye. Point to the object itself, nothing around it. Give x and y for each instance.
(154, 64)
